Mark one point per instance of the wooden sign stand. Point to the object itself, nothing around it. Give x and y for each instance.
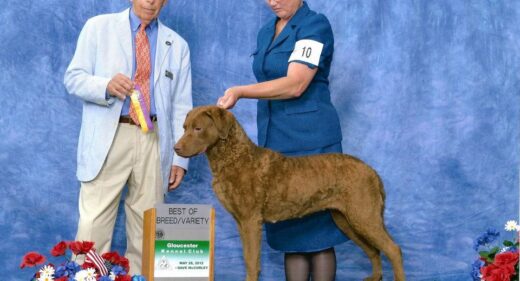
(148, 244)
(149, 241)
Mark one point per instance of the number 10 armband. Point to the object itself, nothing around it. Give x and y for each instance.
(141, 110)
(308, 51)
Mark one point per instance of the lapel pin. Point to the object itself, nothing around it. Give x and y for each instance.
(168, 74)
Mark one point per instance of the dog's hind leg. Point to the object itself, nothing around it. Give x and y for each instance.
(251, 235)
(372, 230)
(372, 253)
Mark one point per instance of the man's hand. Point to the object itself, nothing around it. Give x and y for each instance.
(120, 86)
(176, 176)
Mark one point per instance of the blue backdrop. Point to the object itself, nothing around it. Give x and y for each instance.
(427, 92)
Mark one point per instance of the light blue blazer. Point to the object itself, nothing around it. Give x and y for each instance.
(104, 49)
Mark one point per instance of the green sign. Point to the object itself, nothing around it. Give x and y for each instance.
(182, 258)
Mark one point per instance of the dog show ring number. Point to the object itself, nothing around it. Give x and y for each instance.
(308, 51)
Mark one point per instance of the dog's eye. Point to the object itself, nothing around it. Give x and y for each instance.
(198, 129)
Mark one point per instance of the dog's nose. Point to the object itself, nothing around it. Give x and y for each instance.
(177, 149)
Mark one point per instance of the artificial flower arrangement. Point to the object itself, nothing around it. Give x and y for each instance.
(497, 263)
(107, 267)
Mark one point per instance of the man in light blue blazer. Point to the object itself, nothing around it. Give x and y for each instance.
(112, 149)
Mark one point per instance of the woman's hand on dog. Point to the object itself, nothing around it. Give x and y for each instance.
(229, 99)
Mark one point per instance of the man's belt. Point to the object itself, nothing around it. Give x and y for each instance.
(129, 120)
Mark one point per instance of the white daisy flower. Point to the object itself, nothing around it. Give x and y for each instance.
(88, 274)
(45, 278)
(91, 274)
(512, 226)
(81, 275)
(47, 271)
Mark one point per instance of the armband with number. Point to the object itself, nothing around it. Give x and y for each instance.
(308, 51)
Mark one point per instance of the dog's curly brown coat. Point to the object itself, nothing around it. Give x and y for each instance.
(258, 185)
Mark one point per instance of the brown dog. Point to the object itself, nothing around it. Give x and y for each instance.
(257, 185)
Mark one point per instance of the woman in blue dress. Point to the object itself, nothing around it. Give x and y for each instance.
(296, 117)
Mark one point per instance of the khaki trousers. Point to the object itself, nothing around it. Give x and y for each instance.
(133, 159)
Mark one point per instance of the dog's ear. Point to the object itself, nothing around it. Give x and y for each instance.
(222, 119)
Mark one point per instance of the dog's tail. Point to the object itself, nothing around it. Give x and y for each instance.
(379, 185)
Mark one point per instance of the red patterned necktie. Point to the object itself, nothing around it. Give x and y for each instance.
(142, 73)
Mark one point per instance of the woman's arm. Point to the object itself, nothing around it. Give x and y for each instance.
(298, 78)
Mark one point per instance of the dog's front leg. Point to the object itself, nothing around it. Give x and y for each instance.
(251, 235)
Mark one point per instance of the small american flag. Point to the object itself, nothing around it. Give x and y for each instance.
(96, 259)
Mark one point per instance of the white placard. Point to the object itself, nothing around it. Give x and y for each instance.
(307, 50)
(183, 239)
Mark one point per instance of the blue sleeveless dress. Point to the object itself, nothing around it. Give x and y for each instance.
(301, 126)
